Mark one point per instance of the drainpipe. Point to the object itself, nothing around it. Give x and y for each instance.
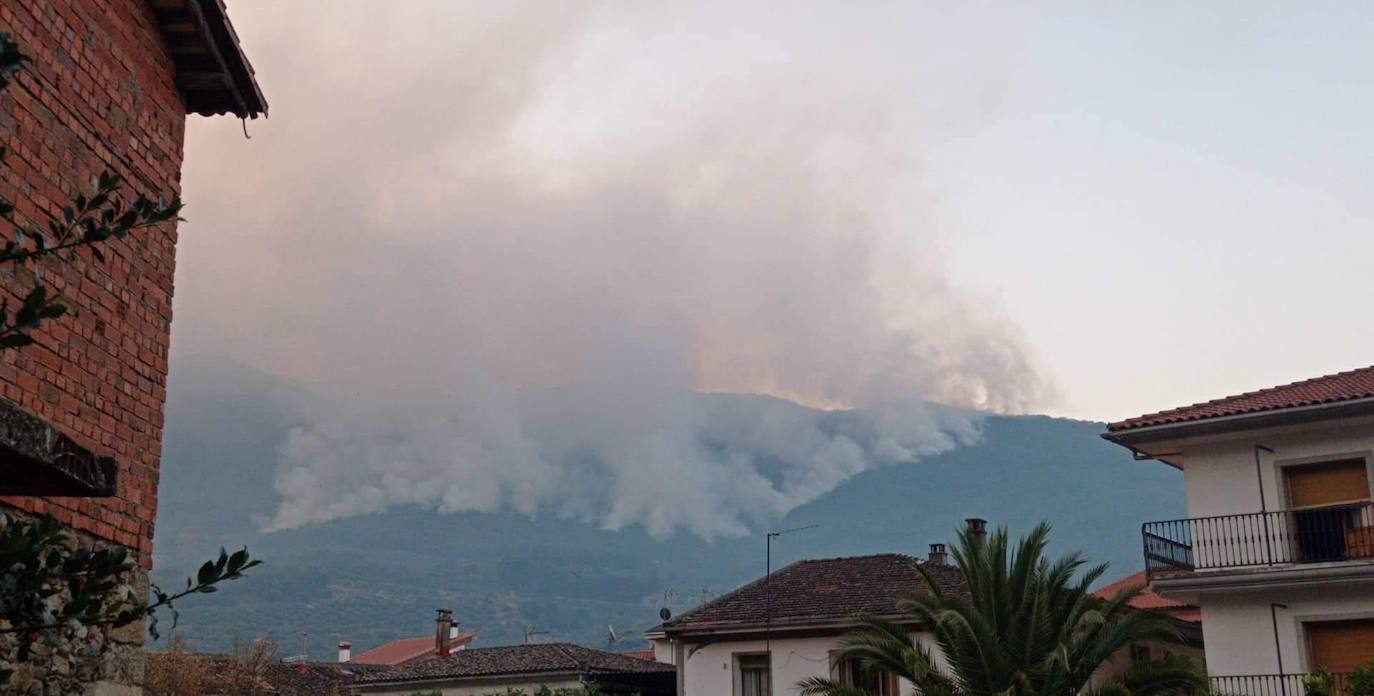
(1264, 509)
(1278, 651)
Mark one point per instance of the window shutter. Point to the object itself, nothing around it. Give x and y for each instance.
(1327, 483)
(1341, 645)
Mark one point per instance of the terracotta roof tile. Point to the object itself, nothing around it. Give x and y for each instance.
(1149, 599)
(1342, 386)
(405, 650)
(818, 590)
(535, 658)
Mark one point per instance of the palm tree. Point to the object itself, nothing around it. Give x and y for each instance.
(1027, 628)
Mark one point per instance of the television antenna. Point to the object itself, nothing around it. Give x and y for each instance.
(768, 584)
(530, 633)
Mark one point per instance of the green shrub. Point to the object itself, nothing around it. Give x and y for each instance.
(1318, 683)
(1362, 680)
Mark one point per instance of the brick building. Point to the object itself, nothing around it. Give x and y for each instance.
(108, 86)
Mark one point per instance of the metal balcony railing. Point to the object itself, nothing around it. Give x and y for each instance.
(1271, 685)
(1307, 535)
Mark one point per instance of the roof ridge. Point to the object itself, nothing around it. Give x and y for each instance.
(578, 664)
(857, 556)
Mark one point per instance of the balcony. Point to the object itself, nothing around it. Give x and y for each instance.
(1285, 537)
(1271, 685)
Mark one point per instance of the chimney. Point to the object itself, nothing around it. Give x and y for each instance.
(938, 556)
(345, 651)
(443, 636)
(977, 529)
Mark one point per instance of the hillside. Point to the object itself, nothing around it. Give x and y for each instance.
(374, 577)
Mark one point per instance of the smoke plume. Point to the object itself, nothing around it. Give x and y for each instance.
(534, 235)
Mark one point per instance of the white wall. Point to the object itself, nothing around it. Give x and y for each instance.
(710, 670)
(1219, 474)
(1238, 630)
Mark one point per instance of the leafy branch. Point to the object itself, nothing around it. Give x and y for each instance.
(51, 584)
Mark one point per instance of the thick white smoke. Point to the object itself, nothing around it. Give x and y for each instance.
(712, 464)
(482, 207)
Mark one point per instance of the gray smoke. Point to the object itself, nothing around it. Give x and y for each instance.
(481, 212)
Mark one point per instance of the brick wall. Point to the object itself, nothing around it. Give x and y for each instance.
(98, 94)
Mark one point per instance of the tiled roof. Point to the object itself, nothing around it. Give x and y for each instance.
(1149, 599)
(820, 590)
(404, 650)
(290, 679)
(275, 677)
(536, 658)
(643, 654)
(1342, 386)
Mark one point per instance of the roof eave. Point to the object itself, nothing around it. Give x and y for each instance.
(1293, 415)
(744, 627)
(212, 72)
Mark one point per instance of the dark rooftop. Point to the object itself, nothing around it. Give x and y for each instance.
(821, 590)
(212, 73)
(519, 659)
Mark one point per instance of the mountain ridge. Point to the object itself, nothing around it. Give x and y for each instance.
(378, 576)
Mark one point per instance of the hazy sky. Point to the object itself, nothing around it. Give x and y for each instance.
(1048, 207)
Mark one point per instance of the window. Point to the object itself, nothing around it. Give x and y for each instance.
(1340, 645)
(1327, 483)
(851, 673)
(1139, 653)
(753, 675)
(1327, 522)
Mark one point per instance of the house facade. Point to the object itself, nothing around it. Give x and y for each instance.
(107, 87)
(1186, 617)
(764, 637)
(1277, 550)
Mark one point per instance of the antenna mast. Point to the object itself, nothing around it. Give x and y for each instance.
(768, 586)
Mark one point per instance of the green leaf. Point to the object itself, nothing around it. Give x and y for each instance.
(206, 574)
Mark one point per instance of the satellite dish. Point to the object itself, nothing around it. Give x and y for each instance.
(665, 614)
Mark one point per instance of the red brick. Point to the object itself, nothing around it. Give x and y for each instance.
(69, 116)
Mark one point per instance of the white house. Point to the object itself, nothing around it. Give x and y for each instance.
(1278, 547)
(764, 637)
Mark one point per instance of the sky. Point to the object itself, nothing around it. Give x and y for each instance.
(1053, 207)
